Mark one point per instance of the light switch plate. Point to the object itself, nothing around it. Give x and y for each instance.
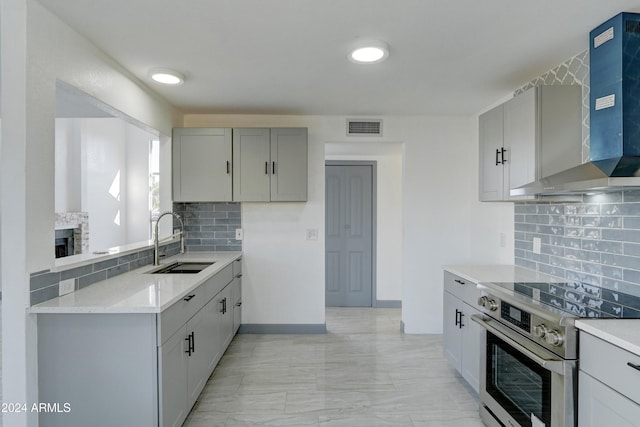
(239, 234)
(536, 245)
(66, 287)
(312, 234)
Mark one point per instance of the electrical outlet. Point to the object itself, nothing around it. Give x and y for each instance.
(312, 234)
(66, 287)
(239, 234)
(536, 245)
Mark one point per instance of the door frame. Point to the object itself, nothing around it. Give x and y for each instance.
(374, 220)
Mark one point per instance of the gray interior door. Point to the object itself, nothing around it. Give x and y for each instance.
(349, 229)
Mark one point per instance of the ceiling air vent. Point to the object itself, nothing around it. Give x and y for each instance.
(364, 127)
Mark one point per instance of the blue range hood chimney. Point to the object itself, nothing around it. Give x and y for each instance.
(614, 164)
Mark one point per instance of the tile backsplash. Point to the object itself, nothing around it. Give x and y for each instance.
(210, 226)
(596, 242)
(45, 285)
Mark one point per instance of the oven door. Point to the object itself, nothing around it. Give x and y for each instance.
(521, 383)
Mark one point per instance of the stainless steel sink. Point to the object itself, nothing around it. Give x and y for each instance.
(182, 268)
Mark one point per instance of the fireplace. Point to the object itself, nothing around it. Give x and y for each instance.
(71, 233)
(65, 242)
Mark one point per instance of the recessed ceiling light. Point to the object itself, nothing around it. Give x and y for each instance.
(369, 52)
(166, 76)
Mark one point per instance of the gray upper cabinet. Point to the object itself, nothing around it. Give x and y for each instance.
(251, 165)
(270, 164)
(531, 136)
(202, 165)
(289, 164)
(491, 149)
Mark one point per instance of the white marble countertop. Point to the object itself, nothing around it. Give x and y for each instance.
(624, 333)
(497, 273)
(137, 291)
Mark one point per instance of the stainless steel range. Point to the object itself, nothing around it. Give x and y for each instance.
(528, 360)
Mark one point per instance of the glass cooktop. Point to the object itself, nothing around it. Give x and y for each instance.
(579, 299)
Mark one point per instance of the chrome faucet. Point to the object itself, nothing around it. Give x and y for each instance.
(156, 255)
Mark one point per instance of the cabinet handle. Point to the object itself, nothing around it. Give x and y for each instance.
(497, 154)
(502, 151)
(191, 343)
(266, 168)
(239, 275)
(228, 167)
(459, 281)
(273, 168)
(239, 303)
(460, 325)
(458, 312)
(189, 298)
(223, 310)
(634, 366)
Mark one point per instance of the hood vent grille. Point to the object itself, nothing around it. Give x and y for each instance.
(364, 127)
(632, 26)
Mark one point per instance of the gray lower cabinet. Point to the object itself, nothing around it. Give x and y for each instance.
(461, 336)
(135, 369)
(608, 393)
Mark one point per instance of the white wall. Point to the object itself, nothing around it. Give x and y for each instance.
(37, 48)
(388, 158)
(442, 219)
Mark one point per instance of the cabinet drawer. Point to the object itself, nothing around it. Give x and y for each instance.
(174, 317)
(464, 289)
(237, 267)
(609, 364)
(216, 283)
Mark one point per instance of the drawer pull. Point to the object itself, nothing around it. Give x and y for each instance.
(634, 366)
(190, 297)
(459, 281)
(239, 275)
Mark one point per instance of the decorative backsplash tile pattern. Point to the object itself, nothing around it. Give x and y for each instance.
(45, 285)
(574, 71)
(582, 299)
(210, 226)
(593, 243)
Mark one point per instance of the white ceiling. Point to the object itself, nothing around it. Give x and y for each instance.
(289, 56)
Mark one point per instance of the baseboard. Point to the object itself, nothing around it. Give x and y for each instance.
(388, 304)
(269, 328)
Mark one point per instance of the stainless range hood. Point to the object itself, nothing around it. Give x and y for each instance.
(614, 116)
(594, 177)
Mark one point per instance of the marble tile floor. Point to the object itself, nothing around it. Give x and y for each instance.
(363, 372)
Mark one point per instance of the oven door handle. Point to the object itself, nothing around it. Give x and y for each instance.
(511, 338)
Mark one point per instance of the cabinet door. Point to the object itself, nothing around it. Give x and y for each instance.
(491, 141)
(203, 350)
(599, 405)
(520, 130)
(289, 164)
(471, 344)
(251, 165)
(202, 165)
(173, 380)
(236, 297)
(225, 316)
(560, 109)
(452, 333)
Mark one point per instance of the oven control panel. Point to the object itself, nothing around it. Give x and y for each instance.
(520, 318)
